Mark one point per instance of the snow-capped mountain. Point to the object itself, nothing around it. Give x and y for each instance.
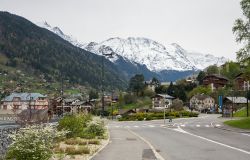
(60, 33)
(154, 55)
(145, 56)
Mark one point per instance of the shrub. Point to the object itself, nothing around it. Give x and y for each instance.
(94, 141)
(95, 129)
(33, 143)
(75, 124)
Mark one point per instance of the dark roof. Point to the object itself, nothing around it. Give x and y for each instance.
(124, 111)
(217, 76)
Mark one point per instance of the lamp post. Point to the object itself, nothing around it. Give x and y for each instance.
(109, 55)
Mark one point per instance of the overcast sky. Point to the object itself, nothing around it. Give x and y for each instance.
(199, 25)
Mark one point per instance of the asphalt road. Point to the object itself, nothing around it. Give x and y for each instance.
(183, 139)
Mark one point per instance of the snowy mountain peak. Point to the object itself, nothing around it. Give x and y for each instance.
(60, 33)
(140, 50)
(154, 55)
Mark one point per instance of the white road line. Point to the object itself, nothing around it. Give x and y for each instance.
(136, 126)
(117, 126)
(217, 125)
(198, 125)
(183, 125)
(245, 134)
(212, 141)
(207, 125)
(158, 156)
(151, 126)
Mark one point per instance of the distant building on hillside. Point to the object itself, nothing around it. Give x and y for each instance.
(202, 103)
(16, 102)
(160, 101)
(215, 81)
(242, 82)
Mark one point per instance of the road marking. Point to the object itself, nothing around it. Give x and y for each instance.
(245, 134)
(136, 126)
(151, 126)
(157, 155)
(117, 126)
(183, 125)
(207, 125)
(198, 125)
(217, 125)
(212, 141)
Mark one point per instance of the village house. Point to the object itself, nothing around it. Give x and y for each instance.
(203, 103)
(160, 101)
(82, 107)
(242, 82)
(16, 102)
(215, 81)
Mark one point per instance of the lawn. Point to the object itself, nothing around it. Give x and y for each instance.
(242, 123)
(242, 112)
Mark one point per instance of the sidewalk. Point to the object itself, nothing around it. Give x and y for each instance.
(124, 145)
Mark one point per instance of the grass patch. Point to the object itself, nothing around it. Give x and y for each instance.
(77, 151)
(76, 141)
(94, 141)
(242, 112)
(242, 123)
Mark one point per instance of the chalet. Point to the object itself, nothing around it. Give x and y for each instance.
(160, 101)
(202, 103)
(16, 102)
(216, 81)
(150, 85)
(242, 82)
(82, 107)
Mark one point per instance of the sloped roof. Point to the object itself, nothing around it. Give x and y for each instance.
(237, 100)
(217, 76)
(166, 96)
(24, 96)
(201, 96)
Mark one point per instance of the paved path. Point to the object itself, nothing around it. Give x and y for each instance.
(184, 139)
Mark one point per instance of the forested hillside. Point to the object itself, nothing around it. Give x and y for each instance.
(37, 51)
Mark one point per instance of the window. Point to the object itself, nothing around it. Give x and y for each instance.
(16, 107)
(4, 107)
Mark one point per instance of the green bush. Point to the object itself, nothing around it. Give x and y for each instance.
(157, 115)
(95, 129)
(75, 124)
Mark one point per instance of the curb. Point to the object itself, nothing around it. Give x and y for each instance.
(101, 148)
(231, 130)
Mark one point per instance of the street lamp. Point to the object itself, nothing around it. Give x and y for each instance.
(108, 55)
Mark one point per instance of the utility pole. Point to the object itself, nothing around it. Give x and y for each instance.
(248, 97)
(109, 55)
(62, 94)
